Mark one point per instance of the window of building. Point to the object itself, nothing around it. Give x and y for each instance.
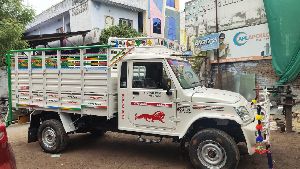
(156, 25)
(109, 21)
(171, 3)
(148, 75)
(140, 22)
(127, 22)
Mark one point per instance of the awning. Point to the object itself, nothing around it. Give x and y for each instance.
(43, 39)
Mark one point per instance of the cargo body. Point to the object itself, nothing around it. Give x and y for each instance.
(62, 82)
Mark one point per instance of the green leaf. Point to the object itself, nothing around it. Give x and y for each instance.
(14, 16)
(120, 31)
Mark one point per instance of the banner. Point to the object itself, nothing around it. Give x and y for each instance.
(208, 42)
(248, 42)
(285, 37)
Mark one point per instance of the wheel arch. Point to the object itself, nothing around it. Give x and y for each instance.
(228, 125)
(38, 116)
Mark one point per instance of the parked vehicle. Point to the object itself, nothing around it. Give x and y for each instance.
(137, 86)
(7, 158)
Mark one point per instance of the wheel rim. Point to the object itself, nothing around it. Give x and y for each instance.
(49, 137)
(211, 154)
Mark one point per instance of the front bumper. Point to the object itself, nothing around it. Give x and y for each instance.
(249, 132)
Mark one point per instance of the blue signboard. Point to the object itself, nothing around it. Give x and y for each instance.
(208, 42)
(187, 53)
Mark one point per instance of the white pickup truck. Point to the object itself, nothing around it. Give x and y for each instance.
(137, 86)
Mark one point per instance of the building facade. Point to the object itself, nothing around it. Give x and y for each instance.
(244, 59)
(156, 18)
(243, 22)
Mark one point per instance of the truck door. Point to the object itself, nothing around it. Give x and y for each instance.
(150, 106)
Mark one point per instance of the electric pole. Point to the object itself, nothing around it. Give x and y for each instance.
(219, 75)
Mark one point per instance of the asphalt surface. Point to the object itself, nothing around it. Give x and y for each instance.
(120, 151)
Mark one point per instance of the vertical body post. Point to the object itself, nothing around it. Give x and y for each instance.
(9, 119)
(44, 78)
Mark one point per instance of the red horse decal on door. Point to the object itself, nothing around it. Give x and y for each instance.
(157, 116)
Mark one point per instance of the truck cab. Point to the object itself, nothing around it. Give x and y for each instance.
(161, 94)
(138, 86)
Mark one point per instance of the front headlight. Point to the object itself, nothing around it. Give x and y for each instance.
(243, 113)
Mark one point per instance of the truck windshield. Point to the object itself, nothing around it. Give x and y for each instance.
(184, 73)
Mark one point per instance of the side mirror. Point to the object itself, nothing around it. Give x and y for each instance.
(169, 86)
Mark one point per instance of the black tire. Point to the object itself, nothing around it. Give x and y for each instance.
(52, 128)
(97, 133)
(212, 148)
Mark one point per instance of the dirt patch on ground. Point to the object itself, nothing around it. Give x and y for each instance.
(119, 151)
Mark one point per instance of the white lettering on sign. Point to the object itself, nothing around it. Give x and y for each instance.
(205, 42)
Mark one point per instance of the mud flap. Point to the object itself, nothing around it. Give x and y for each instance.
(32, 134)
(33, 128)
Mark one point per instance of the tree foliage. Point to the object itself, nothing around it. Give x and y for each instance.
(198, 61)
(120, 31)
(14, 16)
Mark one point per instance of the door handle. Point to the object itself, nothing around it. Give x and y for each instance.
(136, 93)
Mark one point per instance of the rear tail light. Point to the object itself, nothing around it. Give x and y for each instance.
(3, 134)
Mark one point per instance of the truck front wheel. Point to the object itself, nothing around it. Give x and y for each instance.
(52, 136)
(212, 148)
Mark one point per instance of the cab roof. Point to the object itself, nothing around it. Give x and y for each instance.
(149, 53)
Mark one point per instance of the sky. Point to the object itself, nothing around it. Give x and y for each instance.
(41, 5)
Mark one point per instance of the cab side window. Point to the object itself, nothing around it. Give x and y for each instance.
(148, 75)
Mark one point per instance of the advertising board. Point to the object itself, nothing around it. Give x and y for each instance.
(248, 43)
(208, 42)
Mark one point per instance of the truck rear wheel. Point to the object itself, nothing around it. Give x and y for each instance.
(52, 136)
(97, 133)
(212, 148)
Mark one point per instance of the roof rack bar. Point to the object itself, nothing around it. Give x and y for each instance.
(61, 48)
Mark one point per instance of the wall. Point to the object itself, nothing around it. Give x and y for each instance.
(134, 4)
(172, 25)
(183, 39)
(159, 9)
(232, 14)
(51, 26)
(264, 73)
(81, 19)
(242, 77)
(156, 10)
(100, 10)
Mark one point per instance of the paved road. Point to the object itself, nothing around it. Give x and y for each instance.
(120, 151)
